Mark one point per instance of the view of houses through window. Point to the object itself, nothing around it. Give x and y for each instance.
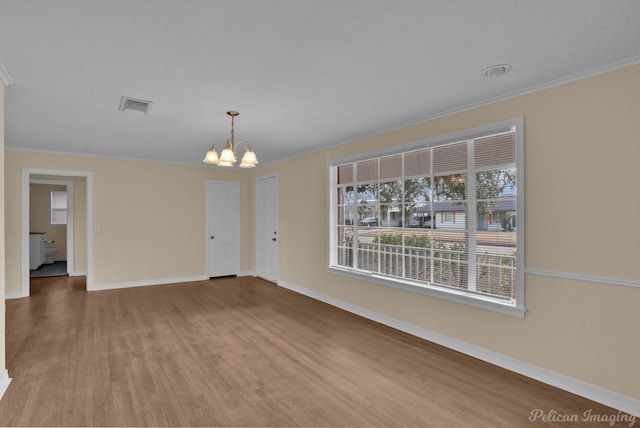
(442, 216)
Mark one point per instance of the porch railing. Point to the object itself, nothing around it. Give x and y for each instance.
(495, 273)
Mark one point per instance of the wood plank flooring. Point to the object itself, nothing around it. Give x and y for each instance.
(243, 352)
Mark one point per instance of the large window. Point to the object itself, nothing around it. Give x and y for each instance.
(436, 217)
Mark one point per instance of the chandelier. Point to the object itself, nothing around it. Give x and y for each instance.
(228, 155)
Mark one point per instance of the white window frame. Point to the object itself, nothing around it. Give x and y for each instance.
(516, 308)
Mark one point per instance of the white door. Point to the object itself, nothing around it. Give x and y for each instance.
(223, 227)
(267, 228)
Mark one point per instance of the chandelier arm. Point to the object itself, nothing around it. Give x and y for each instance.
(242, 143)
(218, 141)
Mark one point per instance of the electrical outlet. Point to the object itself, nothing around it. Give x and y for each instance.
(165, 268)
(324, 284)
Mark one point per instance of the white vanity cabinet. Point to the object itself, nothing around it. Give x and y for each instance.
(37, 249)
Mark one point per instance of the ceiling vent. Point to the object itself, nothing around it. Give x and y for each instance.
(134, 104)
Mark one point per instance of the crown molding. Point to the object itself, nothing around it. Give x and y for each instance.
(4, 76)
(99, 156)
(627, 62)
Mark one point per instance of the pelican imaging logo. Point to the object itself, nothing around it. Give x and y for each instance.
(587, 416)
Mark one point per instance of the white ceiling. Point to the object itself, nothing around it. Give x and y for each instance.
(303, 74)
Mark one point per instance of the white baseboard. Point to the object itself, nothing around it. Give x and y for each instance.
(4, 382)
(128, 284)
(14, 295)
(78, 273)
(145, 283)
(575, 386)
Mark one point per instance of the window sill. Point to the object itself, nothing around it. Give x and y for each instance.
(440, 293)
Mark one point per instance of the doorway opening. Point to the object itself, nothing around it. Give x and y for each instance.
(77, 236)
(51, 227)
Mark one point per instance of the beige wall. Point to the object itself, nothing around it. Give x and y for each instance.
(39, 220)
(582, 217)
(2, 232)
(150, 215)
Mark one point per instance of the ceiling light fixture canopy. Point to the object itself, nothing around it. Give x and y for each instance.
(228, 155)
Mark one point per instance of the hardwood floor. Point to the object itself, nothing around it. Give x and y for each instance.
(243, 352)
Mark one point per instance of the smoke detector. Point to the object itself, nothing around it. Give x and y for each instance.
(496, 70)
(133, 104)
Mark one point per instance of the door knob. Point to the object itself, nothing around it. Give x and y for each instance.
(274, 239)
(212, 237)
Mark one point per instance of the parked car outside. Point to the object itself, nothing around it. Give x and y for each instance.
(368, 221)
